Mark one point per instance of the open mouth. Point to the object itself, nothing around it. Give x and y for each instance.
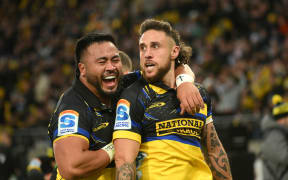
(149, 66)
(109, 80)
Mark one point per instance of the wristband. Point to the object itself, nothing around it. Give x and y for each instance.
(181, 78)
(109, 149)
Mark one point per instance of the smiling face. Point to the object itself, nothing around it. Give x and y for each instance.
(157, 50)
(101, 68)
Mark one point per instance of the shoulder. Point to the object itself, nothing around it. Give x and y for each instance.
(70, 95)
(70, 109)
(70, 99)
(134, 88)
(132, 75)
(129, 79)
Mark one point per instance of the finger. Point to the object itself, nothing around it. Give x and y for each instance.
(201, 102)
(193, 111)
(198, 100)
(182, 109)
(186, 106)
(197, 109)
(191, 105)
(196, 106)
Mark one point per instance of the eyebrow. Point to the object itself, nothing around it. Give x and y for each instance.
(141, 44)
(116, 56)
(105, 58)
(153, 42)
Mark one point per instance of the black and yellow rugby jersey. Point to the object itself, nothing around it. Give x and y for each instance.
(80, 113)
(170, 143)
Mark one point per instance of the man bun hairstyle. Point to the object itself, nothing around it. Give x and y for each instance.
(84, 42)
(160, 25)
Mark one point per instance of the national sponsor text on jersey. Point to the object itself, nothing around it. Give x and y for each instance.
(179, 123)
(182, 126)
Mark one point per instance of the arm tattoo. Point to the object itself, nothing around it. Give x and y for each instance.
(216, 156)
(126, 172)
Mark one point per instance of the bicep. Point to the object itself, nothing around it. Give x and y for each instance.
(68, 147)
(126, 150)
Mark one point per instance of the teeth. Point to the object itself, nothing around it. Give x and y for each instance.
(110, 77)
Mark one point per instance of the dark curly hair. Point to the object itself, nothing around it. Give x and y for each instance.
(160, 25)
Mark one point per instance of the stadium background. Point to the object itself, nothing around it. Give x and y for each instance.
(240, 54)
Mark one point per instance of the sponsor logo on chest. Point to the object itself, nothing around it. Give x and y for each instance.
(182, 126)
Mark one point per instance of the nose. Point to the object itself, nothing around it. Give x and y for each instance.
(148, 53)
(110, 66)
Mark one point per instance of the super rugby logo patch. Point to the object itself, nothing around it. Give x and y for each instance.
(68, 122)
(123, 120)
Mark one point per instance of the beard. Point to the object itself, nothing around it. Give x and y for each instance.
(97, 84)
(161, 72)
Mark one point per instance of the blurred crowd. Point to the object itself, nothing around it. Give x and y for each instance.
(240, 49)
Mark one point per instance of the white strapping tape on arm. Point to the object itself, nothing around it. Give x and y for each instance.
(109, 148)
(181, 78)
(209, 120)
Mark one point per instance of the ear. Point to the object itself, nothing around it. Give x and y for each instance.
(175, 52)
(82, 69)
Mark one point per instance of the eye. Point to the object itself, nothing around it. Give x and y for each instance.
(101, 61)
(142, 47)
(155, 45)
(116, 60)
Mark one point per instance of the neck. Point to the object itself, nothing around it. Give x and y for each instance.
(169, 78)
(105, 99)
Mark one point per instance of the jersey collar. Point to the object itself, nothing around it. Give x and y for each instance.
(161, 85)
(88, 96)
